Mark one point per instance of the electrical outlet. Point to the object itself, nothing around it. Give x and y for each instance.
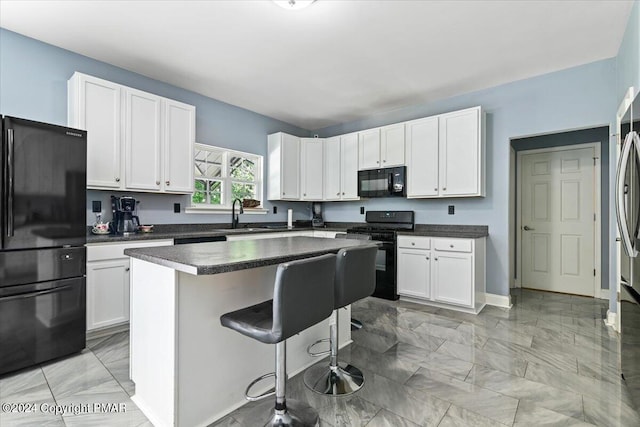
(176, 207)
(452, 210)
(275, 209)
(361, 210)
(96, 206)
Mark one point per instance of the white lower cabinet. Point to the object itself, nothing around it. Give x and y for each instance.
(442, 271)
(108, 282)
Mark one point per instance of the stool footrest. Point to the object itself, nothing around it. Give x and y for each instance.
(254, 382)
(318, 353)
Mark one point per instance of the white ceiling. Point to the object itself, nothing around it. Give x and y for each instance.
(336, 61)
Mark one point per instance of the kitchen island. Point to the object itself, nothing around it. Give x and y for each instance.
(188, 369)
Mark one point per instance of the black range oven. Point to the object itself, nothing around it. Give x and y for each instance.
(383, 226)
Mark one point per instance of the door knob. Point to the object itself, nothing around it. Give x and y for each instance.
(168, 183)
(527, 228)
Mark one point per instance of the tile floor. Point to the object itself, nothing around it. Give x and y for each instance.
(550, 360)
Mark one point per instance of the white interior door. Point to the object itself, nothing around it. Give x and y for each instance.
(557, 221)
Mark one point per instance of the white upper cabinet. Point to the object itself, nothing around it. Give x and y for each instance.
(179, 140)
(422, 157)
(96, 105)
(283, 167)
(341, 167)
(392, 145)
(332, 168)
(312, 169)
(461, 153)
(381, 147)
(369, 149)
(142, 140)
(136, 140)
(349, 166)
(445, 155)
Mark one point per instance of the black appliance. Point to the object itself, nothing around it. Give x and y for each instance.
(125, 220)
(316, 219)
(43, 232)
(388, 182)
(383, 226)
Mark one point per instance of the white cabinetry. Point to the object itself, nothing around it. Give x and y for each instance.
(108, 282)
(442, 271)
(312, 168)
(381, 147)
(284, 167)
(341, 168)
(136, 140)
(96, 105)
(445, 155)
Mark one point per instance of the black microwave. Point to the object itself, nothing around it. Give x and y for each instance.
(388, 182)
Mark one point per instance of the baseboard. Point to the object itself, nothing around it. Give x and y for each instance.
(503, 301)
(604, 294)
(109, 330)
(611, 320)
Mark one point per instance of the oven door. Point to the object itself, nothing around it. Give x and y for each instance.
(386, 272)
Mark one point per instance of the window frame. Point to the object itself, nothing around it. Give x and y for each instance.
(227, 181)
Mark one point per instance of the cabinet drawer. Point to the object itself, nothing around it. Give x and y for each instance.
(412, 242)
(453, 245)
(103, 251)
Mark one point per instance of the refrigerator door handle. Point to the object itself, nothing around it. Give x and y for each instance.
(9, 179)
(621, 212)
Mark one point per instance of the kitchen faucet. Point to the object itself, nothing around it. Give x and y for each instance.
(235, 219)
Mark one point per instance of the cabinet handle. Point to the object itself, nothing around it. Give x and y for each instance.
(436, 259)
(127, 269)
(338, 193)
(435, 189)
(378, 161)
(450, 246)
(157, 182)
(168, 182)
(343, 194)
(283, 193)
(427, 258)
(117, 179)
(305, 194)
(384, 161)
(444, 188)
(413, 243)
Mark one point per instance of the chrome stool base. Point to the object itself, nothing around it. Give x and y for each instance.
(341, 380)
(298, 414)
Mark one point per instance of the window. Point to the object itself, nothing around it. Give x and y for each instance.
(222, 175)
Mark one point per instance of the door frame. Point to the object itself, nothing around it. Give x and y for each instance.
(598, 292)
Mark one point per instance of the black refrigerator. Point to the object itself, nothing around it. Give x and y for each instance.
(43, 232)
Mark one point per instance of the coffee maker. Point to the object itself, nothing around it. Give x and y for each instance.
(316, 220)
(125, 220)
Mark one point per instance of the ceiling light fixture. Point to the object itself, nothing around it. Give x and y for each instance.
(293, 4)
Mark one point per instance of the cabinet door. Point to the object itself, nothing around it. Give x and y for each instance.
(349, 166)
(290, 168)
(460, 146)
(332, 169)
(414, 273)
(422, 158)
(179, 138)
(107, 293)
(453, 278)
(99, 112)
(142, 140)
(369, 149)
(392, 145)
(311, 170)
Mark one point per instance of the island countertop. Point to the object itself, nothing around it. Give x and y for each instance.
(224, 257)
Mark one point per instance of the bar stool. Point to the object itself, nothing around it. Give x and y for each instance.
(355, 279)
(302, 297)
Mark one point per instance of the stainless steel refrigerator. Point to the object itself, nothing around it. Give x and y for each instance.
(628, 216)
(42, 237)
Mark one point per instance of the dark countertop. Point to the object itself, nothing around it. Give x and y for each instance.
(173, 231)
(454, 231)
(223, 257)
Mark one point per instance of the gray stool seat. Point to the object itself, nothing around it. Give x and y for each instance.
(355, 279)
(303, 295)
